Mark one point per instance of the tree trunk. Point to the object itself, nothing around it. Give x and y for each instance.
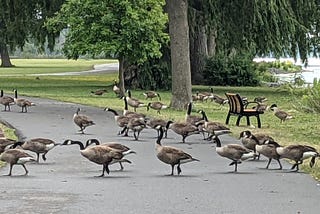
(211, 42)
(180, 58)
(122, 68)
(198, 54)
(5, 58)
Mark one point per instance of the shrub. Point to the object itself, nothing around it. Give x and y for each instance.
(230, 71)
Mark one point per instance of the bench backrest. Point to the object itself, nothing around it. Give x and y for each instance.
(235, 103)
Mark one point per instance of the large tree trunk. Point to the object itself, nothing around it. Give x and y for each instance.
(122, 68)
(212, 34)
(198, 54)
(4, 54)
(180, 58)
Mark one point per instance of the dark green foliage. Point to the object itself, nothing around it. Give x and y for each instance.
(21, 20)
(230, 71)
(154, 75)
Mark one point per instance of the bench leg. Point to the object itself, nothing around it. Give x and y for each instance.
(238, 120)
(259, 122)
(248, 121)
(228, 117)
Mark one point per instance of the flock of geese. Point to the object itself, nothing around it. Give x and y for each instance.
(105, 154)
(8, 101)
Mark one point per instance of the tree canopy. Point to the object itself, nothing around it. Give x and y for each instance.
(130, 31)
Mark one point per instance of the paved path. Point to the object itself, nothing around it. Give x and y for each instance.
(66, 182)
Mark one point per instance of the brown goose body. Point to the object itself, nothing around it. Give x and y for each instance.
(269, 150)
(4, 142)
(117, 146)
(99, 92)
(282, 115)
(6, 101)
(183, 129)
(16, 157)
(154, 123)
(121, 121)
(171, 155)
(136, 125)
(192, 119)
(234, 152)
(81, 120)
(219, 100)
(249, 141)
(116, 89)
(128, 113)
(102, 155)
(134, 103)
(212, 127)
(151, 95)
(298, 153)
(158, 106)
(23, 103)
(37, 145)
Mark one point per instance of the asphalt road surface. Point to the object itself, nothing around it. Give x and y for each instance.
(65, 183)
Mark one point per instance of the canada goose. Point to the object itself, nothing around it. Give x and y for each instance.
(213, 128)
(23, 103)
(16, 156)
(102, 155)
(135, 103)
(298, 153)
(136, 125)
(128, 113)
(82, 121)
(183, 129)
(122, 121)
(198, 97)
(4, 142)
(219, 100)
(151, 94)
(124, 149)
(249, 141)
(156, 106)
(260, 99)
(206, 95)
(261, 107)
(99, 92)
(192, 119)
(282, 115)
(37, 145)
(262, 138)
(268, 149)
(116, 89)
(171, 155)
(155, 123)
(6, 101)
(234, 152)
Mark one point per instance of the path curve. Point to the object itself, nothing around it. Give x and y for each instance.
(66, 182)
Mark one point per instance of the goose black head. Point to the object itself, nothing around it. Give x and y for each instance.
(273, 106)
(92, 141)
(16, 144)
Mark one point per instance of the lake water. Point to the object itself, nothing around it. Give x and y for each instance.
(310, 72)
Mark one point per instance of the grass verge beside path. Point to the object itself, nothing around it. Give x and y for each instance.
(303, 129)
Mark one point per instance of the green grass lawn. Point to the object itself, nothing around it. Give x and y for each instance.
(40, 66)
(303, 129)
